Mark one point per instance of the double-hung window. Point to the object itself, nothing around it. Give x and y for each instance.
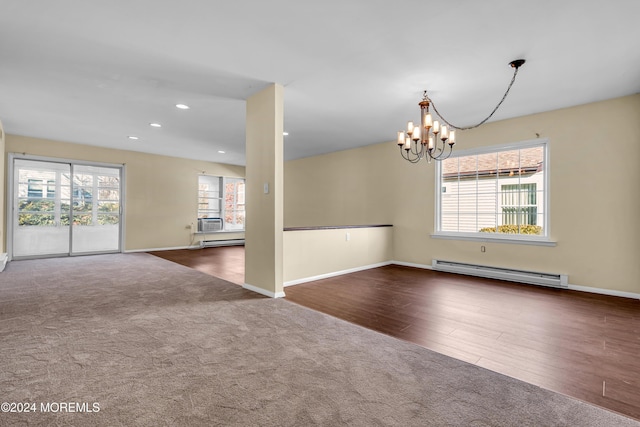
(221, 203)
(496, 192)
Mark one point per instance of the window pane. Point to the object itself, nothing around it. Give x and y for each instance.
(499, 192)
(34, 189)
(468, 223)
(108, 207)
(487, 204)
(486, 221)
(31, 205)
(449, 221)
(241, 193)
(467, 203)
(508, 163)
(449, 203)
(35, 219)
(105, 219)
(486, 166)
(450, 168)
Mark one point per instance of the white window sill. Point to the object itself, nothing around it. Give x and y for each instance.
(536, 241)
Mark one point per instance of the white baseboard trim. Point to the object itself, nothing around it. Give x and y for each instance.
(335, 273)
(130, 251)
(411, 264)
(263, 291)
(610, 292)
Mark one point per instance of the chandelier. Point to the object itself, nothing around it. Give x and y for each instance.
(432, 141)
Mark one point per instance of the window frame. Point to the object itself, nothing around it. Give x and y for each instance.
(222, 184)
(542, 240)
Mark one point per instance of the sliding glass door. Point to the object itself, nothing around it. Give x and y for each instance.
(41, 206)
(95, 209)
(62, 209)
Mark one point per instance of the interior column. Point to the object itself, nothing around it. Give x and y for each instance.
(264, 192)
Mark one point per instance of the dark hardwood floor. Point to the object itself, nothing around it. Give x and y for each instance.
(225, 262)
(579, 344)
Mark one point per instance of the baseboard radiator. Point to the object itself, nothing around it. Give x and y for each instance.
(520, 276)
(228, 242)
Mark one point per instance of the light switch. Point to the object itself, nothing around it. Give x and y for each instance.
(266, 188)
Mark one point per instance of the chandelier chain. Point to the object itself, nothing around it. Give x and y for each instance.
(513, 79)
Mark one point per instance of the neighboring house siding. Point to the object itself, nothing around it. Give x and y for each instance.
(469, 204)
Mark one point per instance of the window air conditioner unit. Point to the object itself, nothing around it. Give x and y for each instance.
(206, 225)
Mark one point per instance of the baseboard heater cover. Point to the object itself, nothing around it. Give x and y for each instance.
(227, 242)
(521, 276)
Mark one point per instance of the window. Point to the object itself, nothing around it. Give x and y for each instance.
(222, 201)
(47, 192)
(41, 189)
(496, 192)
(519, 204)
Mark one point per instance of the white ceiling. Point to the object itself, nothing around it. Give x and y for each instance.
(353, 70)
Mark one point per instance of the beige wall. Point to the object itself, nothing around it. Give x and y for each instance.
(594, 174)
(161, 192)
(348, 187)
(311, 253)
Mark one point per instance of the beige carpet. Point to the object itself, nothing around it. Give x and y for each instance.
(153, 343)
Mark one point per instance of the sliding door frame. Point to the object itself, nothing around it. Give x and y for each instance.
(11, 197)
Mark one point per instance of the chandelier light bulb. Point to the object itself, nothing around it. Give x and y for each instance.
(428, 122)
(416, 134)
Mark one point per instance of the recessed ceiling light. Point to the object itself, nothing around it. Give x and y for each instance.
(182, 106)
(155, 125)
(133, 137)
(285, 133)
(221, 152)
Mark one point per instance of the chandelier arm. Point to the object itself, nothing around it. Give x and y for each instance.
(448, 155)
(513, 79)
(414, 160)
(442, 151)
(414, 150)
(436, 149)
(407, 157)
